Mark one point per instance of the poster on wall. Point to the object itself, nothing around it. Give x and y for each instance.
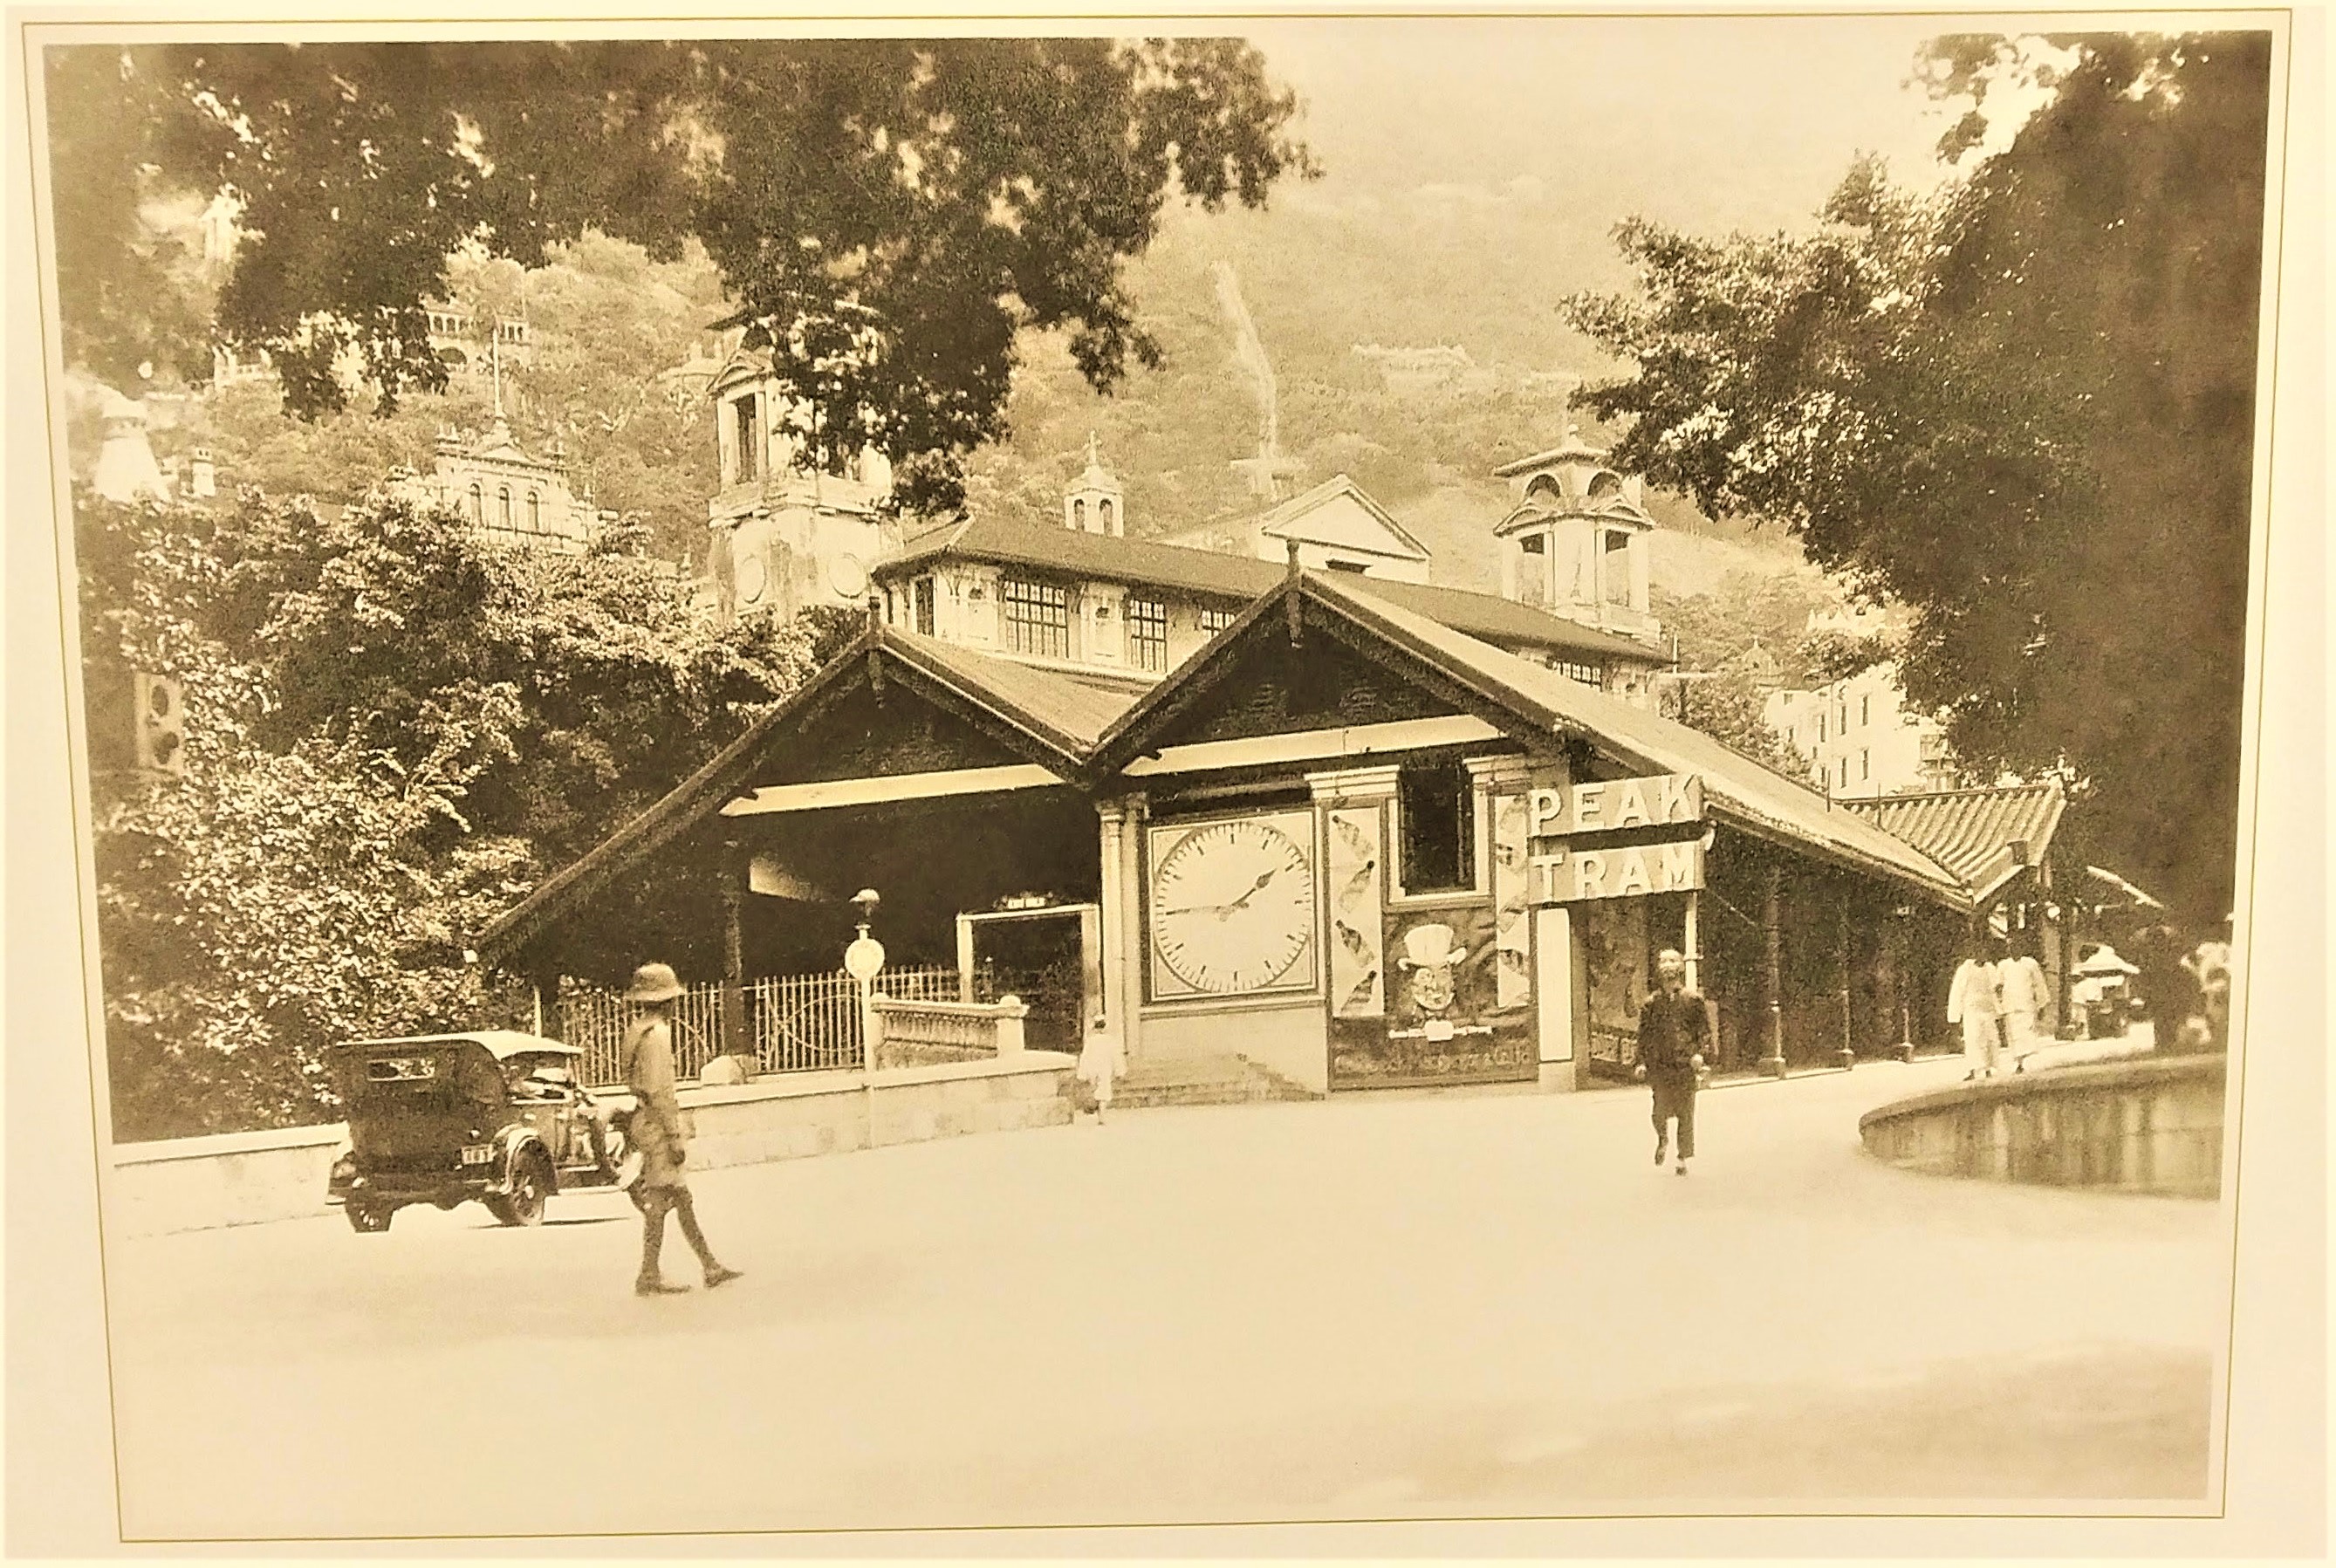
(1356, 880)
(1444, 1021)
(1512, 900)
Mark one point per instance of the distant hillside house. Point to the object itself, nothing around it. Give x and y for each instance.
(1085, 598)
(1861, 739)
(785, 540)
(1577, 545)
(1406, 372)
(466, 346)
(509, 497)
(1335, 526)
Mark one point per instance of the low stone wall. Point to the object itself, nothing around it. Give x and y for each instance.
(785, 1119)
(2148, 1125)
(231, 1179)
(249, 1178)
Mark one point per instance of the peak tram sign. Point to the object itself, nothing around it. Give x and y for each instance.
(1616, 839)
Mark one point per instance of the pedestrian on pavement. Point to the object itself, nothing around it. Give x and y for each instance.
(2210, 964)
(1974, 1001)
(1101, 1060)
(2169, 991)
(660, 1134)
(2027, 1005)
(1673, 1030)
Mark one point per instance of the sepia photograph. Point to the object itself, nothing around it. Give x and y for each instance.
(1128, 773)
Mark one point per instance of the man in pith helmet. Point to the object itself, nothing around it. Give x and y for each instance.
(660, 1134)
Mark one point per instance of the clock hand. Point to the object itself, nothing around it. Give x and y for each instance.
(1255, 888)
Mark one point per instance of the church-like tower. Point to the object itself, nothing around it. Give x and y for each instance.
(1577, 543)
(783, 539)
(1094, 503)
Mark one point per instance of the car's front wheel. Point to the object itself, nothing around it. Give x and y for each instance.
(530, 1185)
(367, 1220)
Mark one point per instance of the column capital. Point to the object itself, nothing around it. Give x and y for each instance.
(1514, 773)
(1353, 783)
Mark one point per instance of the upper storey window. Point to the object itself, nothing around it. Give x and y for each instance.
(1038, 618)
(746, 439)
(1147, 632)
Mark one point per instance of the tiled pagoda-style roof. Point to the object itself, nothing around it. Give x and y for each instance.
(1973, 832)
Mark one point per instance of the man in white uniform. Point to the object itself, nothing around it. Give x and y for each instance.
(1975, 1002)
(2026, 1007)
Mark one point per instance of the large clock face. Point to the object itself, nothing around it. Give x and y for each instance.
(1232, 906)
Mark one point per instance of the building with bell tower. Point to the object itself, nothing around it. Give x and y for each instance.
(1578, 542)
(785, 539)
(1095, 502)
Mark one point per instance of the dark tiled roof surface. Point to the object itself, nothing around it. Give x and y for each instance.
(1970, 832)
(1238, 576)
(1075, 707)
(1756, 796)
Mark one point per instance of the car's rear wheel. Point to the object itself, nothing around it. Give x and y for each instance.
(530, 1185)
(366, 1219)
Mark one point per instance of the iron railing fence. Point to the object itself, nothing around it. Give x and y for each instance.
(796, 1022)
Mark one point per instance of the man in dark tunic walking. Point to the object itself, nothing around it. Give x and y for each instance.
(660, 1133)
(1673, 1030)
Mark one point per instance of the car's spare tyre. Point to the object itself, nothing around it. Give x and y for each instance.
(531, 1184)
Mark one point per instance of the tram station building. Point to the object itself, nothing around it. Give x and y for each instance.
(1343, 841)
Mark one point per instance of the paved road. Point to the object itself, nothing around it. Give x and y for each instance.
(1385, 1306)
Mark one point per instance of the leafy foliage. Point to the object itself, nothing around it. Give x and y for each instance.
(392, 731)
(887, 215)
(2024, 408)
(1728, 707)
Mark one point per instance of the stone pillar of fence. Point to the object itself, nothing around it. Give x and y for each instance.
(1011, 1011)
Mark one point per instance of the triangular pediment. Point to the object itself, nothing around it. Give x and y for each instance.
(1341, 515)
(1259, 682)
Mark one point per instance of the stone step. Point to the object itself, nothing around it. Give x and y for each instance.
(1204, 1081)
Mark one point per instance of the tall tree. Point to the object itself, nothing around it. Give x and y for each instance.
(392, 731)
(2024, 407)
(890, 216)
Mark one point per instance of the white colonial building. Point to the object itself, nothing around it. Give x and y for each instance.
(1084, 598)
(1859, 738)
(507, 495)
(1335, 526)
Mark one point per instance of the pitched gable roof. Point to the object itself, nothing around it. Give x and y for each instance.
(1054, 717)
(1751, 796)
(1281, 521)
(1972, 832)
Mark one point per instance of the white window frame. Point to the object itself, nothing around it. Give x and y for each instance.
(1479, 833)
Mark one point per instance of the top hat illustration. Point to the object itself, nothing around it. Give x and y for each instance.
(1429, 946)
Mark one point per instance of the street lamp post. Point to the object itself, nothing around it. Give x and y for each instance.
(863, 961)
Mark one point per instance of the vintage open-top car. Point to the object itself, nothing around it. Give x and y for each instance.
(494, 1115)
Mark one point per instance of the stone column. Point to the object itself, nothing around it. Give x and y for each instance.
(1119, 848)
(1773, 1064)
(1109, 1007)
(1848, 1055)
(1691, 944)
(733, 958)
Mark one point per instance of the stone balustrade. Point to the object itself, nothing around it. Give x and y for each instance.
(915, 1034)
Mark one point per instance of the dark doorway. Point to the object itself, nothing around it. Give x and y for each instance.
(1041, 957)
